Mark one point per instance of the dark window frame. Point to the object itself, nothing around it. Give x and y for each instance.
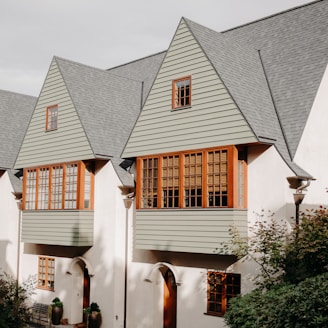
(221, 287)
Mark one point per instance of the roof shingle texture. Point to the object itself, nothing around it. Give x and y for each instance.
(294, 51)
(272, 69)
(15, 113)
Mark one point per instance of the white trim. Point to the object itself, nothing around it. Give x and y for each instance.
(159, 265)
(85, 261)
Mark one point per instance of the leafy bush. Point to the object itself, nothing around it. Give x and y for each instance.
(14, 311)
(293, 282)
(284, 306)
(307, 254)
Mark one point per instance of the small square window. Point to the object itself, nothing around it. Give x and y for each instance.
(46, 273)
(181, 93)
(221, 287)
(52, 118)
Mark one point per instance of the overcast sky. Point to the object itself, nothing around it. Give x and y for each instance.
(104, 33)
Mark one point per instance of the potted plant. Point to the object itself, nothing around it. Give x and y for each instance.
(93, 315)
(56, 311)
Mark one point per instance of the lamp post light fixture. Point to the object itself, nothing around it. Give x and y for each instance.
(298, 198)
(298, 183)
(129, 196)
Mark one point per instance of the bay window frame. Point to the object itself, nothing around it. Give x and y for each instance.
(233, 200)
(80, 186)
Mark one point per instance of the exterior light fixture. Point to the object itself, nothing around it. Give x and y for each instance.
(298, 183)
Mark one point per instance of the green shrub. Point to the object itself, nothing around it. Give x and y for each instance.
(14, 311)
(286, 306)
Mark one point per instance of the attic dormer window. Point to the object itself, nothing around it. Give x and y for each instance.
(52, 118)
(181, 93)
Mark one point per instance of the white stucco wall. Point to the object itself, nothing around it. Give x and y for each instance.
(9, 218)
(106, 256)
(268, 190)
(312, 152)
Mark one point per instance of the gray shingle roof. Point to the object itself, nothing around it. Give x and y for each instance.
(144, 69)
(294, 51)
(272, 68)
(15, 113)
(108, 103)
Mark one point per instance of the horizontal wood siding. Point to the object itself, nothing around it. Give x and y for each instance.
(68, 142)
(193, 231)
(65, 228)
(212, 120)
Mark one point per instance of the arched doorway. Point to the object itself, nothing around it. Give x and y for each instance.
(170, 300)
(81, 272)
(170, 281)
(86, 290)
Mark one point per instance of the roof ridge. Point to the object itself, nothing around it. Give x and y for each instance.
(17, 93)
(101, 70)
(79, 64)
(272, 15)
(136, 60)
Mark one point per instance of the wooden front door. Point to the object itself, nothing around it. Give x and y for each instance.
(170, 300)
(86, 290)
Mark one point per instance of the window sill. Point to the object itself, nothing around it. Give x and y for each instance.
(214, 314)
(180, 108)
(193, 209)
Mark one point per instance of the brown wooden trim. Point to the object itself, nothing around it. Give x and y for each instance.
(174, 82)
(92, 187)
(159, 183)
(204, 179)
(80, 184)
(47, 117)
(139, 182)
(24, 190)
(47, 260)
(232, 175)
(64, 187)
(181, 182)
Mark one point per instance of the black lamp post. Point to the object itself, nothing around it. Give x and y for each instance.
(298, 198)
(298, 183)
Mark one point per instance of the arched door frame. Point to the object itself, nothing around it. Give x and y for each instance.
(157, 266)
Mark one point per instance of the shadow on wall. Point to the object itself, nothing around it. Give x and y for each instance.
(4, 266)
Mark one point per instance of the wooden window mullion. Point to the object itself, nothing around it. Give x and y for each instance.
(204, 179)
(92, 186)
(181, 181)
(159, 182)
(80, 186)
(50, 188)
(24, 189)
(139, 170)
(232, 177)
(36, 204)
(63, 186)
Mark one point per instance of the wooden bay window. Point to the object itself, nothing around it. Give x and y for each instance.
(196, 179)
(58, 187)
